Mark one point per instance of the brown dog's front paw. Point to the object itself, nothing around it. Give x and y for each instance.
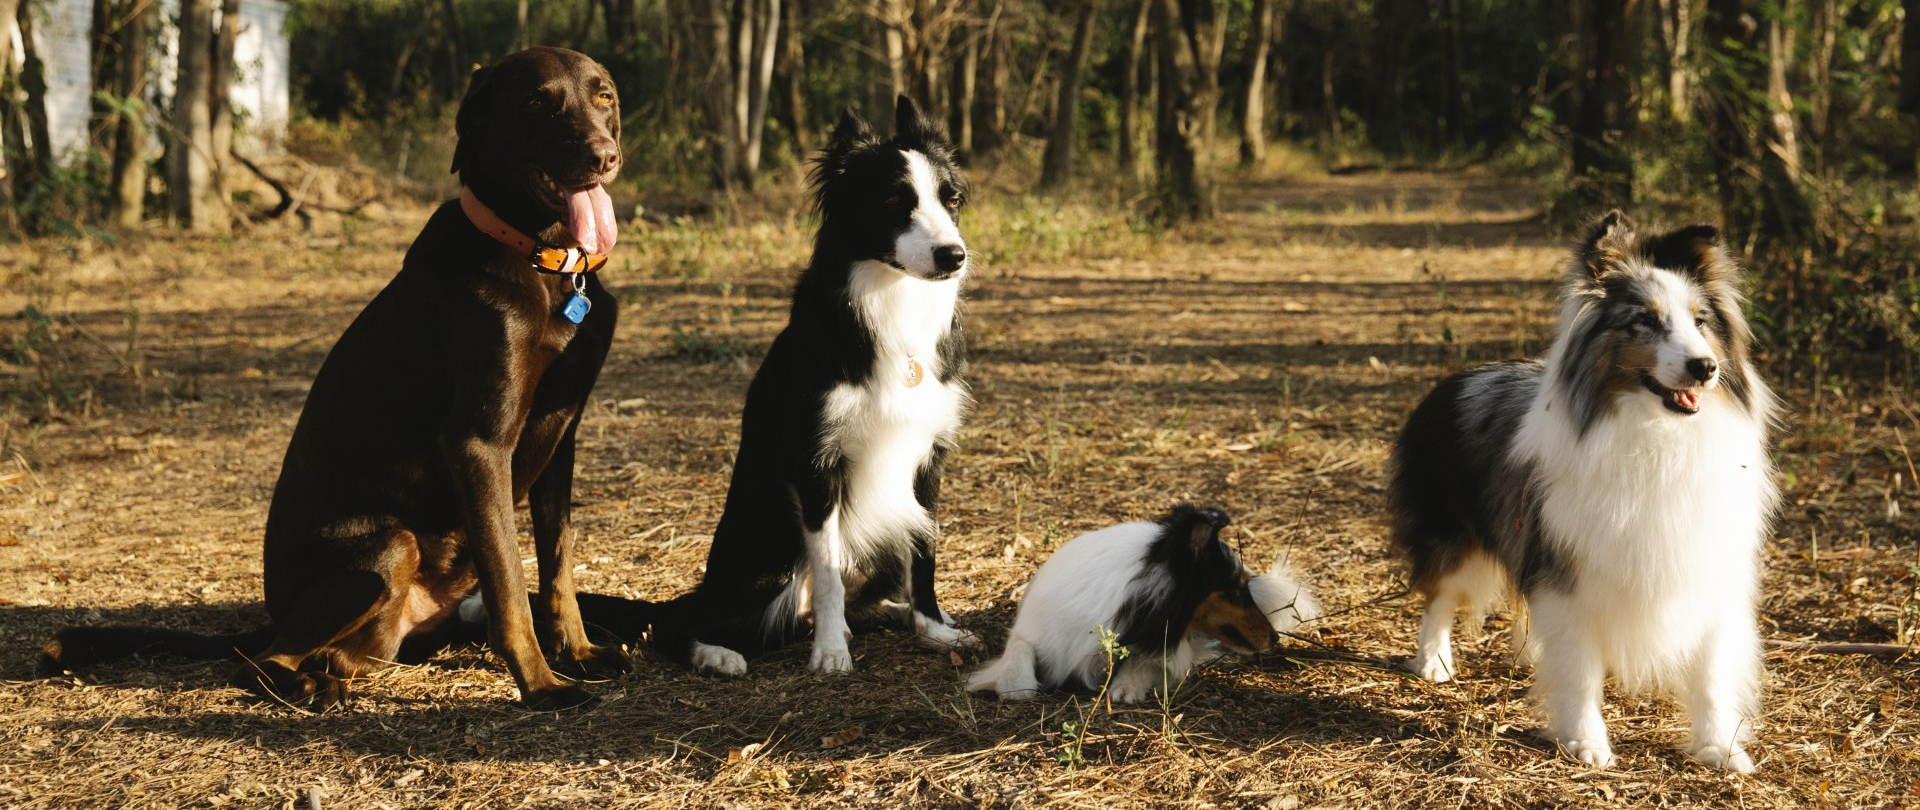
(556, 698)
(320, 692)
(597, 663)
(310, 691)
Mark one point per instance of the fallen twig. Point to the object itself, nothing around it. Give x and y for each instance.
(1841, 648)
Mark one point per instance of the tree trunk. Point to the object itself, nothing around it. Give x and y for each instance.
(990, 113)
(191, 180)
(103, 67)
(1057, 163)
(1757, 169)
(1129, 155)
(220, 93)
(458, 66)
(33, 79)
(1453, 91)
(1676, 39)
(11, 130)
(127, 181)
(894, 20)
(792, 64)
(961, 95)
(1190, 34)
(622, 25)
(1824, 18)
(1909, 72)
(768, 42)
(1253, 118)
(712, 44)
(1602, 167)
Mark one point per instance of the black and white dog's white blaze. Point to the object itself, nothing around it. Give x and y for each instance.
(830, 516)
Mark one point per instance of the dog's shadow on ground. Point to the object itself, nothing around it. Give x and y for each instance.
(900, 696)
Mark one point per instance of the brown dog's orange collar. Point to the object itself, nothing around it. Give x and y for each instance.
(545, 258)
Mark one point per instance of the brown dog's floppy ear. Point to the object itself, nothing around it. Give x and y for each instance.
(468, 121)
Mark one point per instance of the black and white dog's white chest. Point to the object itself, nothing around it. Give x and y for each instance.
(883, 430)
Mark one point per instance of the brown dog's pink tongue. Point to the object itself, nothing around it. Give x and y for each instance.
(590, 217)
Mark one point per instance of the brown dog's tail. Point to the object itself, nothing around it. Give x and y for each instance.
(77, 647)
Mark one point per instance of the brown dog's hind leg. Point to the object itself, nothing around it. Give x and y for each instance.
(295, 669)
(550, 501)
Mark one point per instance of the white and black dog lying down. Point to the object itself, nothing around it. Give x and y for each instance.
(1170, 593)
(848, 423)
(1622, 487)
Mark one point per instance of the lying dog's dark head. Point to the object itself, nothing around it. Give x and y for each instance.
(539, 139)
(894, 201)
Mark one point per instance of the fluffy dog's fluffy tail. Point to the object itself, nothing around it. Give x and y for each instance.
(1012, 676)
(1285, 601)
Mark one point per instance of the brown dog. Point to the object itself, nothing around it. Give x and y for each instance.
(455, 394)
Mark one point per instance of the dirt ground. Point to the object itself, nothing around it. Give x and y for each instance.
(1262, 362)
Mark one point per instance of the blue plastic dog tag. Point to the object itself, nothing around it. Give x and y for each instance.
(576, 308)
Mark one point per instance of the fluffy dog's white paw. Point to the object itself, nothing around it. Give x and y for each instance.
(1735, 760)
(1127, 692)
(718, 660)
(1595, 752)
(1431, 668)
(830, 660)
(940, 636)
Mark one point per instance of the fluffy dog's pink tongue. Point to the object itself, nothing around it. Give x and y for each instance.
(1687, 399)
(590, 217)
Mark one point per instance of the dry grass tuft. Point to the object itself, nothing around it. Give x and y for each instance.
(1262, 362)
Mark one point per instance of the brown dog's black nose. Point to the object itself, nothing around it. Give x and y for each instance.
(606, 154)
(1702, 368)
(948, 258)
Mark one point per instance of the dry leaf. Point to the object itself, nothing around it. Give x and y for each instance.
(954, 656)
(744, 752)
(852, 733)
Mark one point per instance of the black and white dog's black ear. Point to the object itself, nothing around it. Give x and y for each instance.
(851, 131)
(911, 127)
(1608, 241)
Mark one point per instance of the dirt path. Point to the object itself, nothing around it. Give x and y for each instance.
(1262, 362)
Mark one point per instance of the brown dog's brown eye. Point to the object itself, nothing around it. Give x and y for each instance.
(536, 104)
(605, 99)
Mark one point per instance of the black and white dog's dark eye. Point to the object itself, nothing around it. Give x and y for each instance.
(1648, 321)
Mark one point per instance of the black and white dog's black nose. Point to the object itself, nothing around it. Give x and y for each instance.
(949, 258)
(1702, 368)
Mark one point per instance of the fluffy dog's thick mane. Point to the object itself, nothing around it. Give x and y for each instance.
(1614, 274)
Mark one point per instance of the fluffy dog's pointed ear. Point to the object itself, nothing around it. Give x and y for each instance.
(911, 127)
(468, 123)
(1607, 242)
(1696, 250)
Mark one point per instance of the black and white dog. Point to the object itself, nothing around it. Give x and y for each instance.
(1622, 487)
(848, 424)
